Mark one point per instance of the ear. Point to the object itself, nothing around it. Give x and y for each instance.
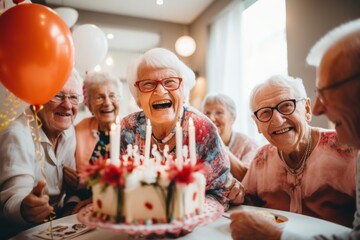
(257, 123)
(308, 113)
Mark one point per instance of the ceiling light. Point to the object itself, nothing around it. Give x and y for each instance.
(159, 2)
(185, 46)
(110, 36)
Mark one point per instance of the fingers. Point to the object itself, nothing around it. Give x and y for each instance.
(71, 177)
(236, 195)
(39, 189)
(35, 206)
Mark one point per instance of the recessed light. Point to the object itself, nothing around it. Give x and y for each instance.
(159, 2)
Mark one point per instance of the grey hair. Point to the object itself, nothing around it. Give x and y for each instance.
(222, 99)
(160, 58)
(293, 84)
(96, 78)
(318, 50)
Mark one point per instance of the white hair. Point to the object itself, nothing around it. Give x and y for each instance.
(319, 49)
(293, 84)
(160, 58)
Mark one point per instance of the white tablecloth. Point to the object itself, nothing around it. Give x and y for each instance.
(219, 229)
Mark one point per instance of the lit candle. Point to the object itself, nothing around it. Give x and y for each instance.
(179, 160)
(118, 130)
(147, 142)
(192, 148)
(114, 145)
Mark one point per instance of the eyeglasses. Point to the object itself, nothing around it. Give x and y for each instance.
(148, 85)
(101, 98)
(320, 91)
(286, 107)
(74, 99)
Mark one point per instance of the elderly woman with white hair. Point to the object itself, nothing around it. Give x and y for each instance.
(102, 92)
(160, 84)
(299, 170)
(221, 110)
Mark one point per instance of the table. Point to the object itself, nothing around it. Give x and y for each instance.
(219, 229)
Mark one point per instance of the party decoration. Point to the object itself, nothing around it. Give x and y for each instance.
(69, 15)
(6, 4)
(36, 52)
(91, 46)
(10, 107)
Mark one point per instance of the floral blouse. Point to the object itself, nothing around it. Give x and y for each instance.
(209, 148)
(325, 189)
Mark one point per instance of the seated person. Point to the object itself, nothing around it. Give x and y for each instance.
(28, 192)
(299, 170)
(160, 83)
(102, 92)
(221, 110)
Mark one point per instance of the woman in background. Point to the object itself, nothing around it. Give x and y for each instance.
(221, 110)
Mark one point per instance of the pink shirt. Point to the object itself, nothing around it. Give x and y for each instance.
(325, 189)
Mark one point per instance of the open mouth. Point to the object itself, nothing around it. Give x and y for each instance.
(107, 111)
(162, 105)
(63, 114)
(285, 130)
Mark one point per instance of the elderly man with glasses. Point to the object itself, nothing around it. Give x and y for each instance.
(299, 170)
(32, 184)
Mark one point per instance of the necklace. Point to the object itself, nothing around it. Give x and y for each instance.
(298, 169)
(165, 139)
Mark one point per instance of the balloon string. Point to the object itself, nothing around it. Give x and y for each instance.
(6, 116)
(37, 139)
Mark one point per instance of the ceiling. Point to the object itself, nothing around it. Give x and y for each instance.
(176, 11)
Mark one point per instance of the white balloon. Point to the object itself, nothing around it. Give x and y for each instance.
(91, 46)
(69, 15)
(6, 4)
(10, 107)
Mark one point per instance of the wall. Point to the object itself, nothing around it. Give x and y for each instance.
(307, 22)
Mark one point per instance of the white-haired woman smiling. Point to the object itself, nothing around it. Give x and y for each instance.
(299, 170)
(161, 84)
(221, 110)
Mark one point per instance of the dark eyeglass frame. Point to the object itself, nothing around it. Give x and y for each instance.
(277, 109)
(320, 91)
(158, 81)
(60, 98)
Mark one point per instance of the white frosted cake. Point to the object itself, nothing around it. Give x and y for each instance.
(147, 192)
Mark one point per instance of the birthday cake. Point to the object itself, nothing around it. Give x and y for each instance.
(153, 191)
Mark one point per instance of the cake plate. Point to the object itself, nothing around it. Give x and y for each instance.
(213, 210)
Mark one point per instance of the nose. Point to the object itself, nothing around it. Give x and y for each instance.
(66, 102)
(318, 107)
(277, 118)
(212, 117)
(160, 89)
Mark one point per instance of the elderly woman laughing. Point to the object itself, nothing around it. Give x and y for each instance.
(160, 84)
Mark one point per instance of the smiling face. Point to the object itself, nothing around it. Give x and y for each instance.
(221, 117)
(57, 117)
(104, 103)
(161, 106)
(339, 103)
(286, 132)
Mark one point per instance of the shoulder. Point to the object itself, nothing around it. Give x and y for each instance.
(134, 118)
(87, 123)
(198, 117)
(245, 139)
(329, 138)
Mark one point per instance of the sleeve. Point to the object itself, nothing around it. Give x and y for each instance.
(212, 152)
(17, 154)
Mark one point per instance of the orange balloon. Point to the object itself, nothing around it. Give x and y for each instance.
(36, 52)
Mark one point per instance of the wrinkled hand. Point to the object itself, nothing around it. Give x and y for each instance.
(249, 225)
(71, 178)
(236, 195)
(35, 206)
